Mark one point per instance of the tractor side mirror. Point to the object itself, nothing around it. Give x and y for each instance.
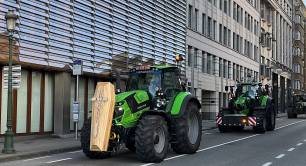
(226, 88)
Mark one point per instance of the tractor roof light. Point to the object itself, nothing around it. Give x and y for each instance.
(179, 58)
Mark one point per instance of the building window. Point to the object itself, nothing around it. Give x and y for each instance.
(225, 36)
(235, 11)
(229, 38)
(214, 30)
(234, 41)
(221, 67)
(190, 16)
(229, 70)
(297, 68)
(225, 72)
(256, 53)
(204, 62)
(209, 27)
(225, 6)
(189, 55)
(196, 19)
(220, 33)
(209, 63)
(204, 24)
(195, 58)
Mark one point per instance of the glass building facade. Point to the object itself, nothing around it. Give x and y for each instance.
(51, 34)
(56, 32)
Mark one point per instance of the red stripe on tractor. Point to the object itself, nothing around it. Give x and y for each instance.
(219, 120)
(252, 121)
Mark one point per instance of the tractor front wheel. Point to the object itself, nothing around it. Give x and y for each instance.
(85, 143)
(187, 130)
(151, 139)
(130, 141)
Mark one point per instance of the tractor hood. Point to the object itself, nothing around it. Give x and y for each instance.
(139, 95)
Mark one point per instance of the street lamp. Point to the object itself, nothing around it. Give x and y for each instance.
(11, 18)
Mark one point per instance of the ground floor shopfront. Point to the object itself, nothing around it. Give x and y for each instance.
(43, 103)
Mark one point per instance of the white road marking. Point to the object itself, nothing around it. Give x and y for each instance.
(280, 156)
(75, 151)
(304, 140)
(54, 161)
(290, 124)
(291, 149)
(37, 158)
(299, 144)
(207, 133)
(215, 146)
(267, 164)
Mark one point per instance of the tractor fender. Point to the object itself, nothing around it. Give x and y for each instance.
(181, 101)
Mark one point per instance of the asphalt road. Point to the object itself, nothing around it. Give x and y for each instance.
(286, 146)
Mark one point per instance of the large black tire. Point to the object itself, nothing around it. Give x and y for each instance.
(261, 128)
(271, 118)
(130, 141)
(85, 143)
(292, 115)
(187, 131)
(152, 138)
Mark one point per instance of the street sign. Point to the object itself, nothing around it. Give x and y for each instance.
(76, 111)
(77, 67)
(16, 76)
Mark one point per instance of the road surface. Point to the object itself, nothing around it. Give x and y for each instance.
(286, 146)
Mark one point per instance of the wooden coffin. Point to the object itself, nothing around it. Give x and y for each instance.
(103, 104)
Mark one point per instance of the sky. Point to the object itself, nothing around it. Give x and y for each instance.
(305, 2)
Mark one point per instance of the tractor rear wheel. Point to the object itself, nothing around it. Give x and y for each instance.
(85, 143)
(187, 130)
(261, 127)
(151, 139)
(271, 118)
(292, 115)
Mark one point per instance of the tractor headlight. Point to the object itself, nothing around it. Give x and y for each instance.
(118, 111)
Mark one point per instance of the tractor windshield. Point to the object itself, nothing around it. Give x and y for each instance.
(145, 80)
(249, 90)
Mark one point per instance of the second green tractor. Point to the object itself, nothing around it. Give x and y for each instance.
(250, 105)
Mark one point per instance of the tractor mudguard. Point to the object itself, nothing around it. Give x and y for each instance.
(181, 101)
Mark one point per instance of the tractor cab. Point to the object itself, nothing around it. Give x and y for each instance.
(156, 80)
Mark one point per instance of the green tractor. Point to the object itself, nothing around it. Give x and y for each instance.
(154, 112)
(298, 106)
(250, 105)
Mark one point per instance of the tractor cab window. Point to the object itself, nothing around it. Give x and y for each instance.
(249, 90)
(171, 83)
(145, 80)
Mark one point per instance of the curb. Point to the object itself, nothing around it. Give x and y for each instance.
(12, 157)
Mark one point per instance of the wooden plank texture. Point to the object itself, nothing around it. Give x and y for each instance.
(103, 104)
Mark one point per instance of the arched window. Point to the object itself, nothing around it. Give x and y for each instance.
(298, 51)
(297, 68)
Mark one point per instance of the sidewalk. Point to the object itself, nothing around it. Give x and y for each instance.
(34, 146)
